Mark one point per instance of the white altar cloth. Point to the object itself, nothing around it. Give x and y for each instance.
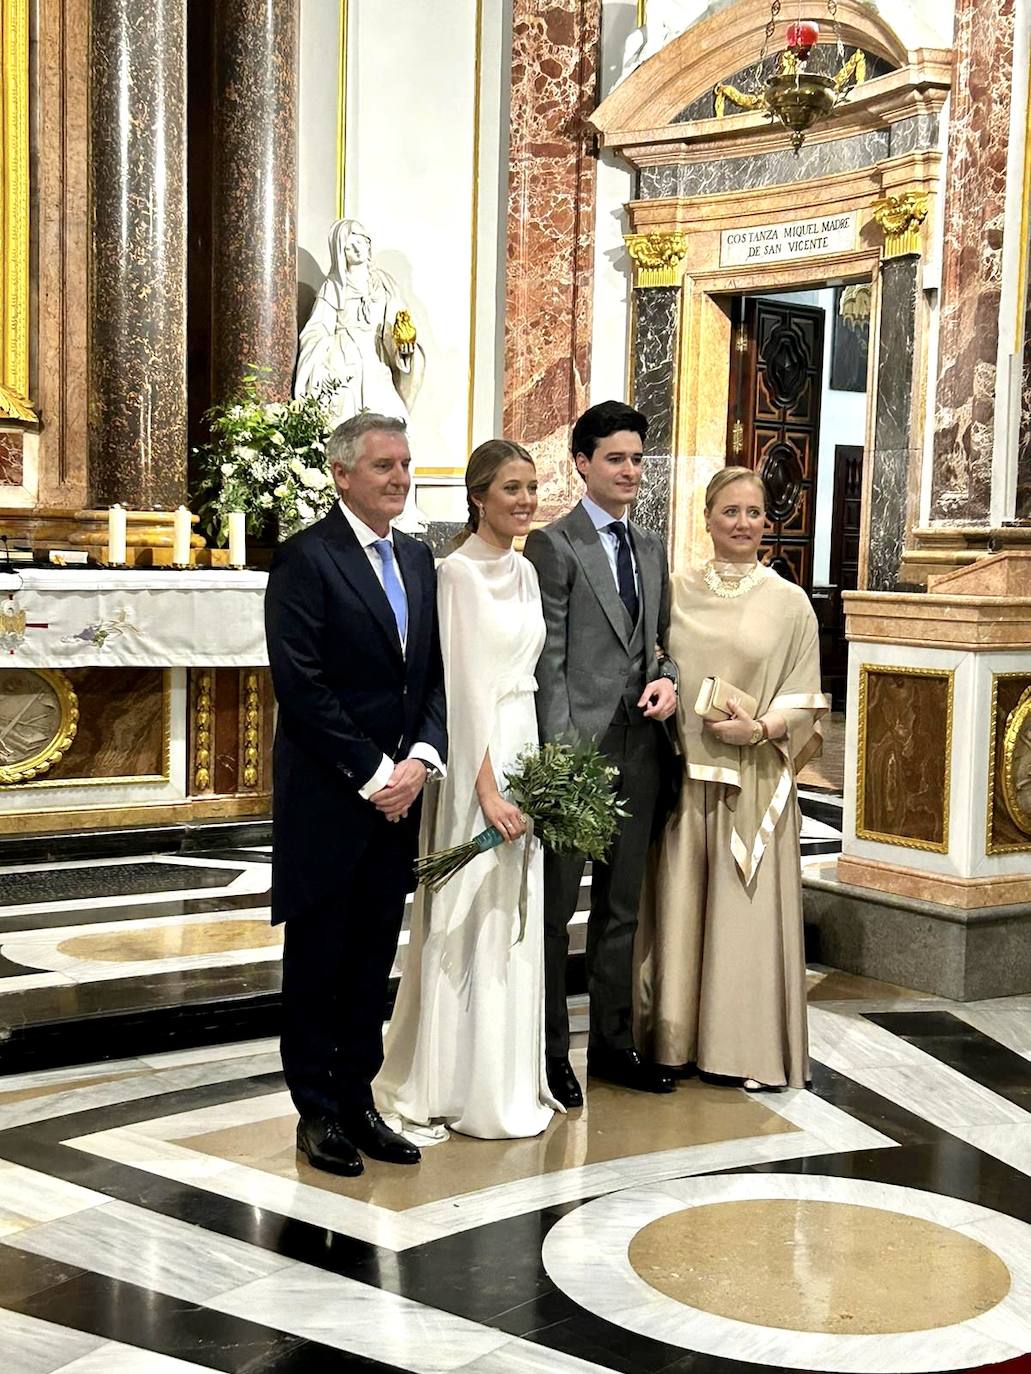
(153, 618)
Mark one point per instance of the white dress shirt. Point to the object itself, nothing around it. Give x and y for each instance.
(420, 750)
(601, 520)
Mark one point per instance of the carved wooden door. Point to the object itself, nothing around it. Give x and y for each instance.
(776, 384)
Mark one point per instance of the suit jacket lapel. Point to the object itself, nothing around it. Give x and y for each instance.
(586, 543)
(353, 562)
(650, 574)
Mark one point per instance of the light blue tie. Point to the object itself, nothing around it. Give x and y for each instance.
(392, 586)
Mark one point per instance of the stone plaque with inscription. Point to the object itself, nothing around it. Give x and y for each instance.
(794, 239)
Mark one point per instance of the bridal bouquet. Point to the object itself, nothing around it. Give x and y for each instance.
(565, 790)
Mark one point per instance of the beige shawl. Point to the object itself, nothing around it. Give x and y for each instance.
(766, 643)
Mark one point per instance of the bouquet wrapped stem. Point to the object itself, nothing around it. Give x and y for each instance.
(565, 790)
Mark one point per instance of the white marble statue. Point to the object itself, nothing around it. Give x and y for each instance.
(666, 20)
(360, 335)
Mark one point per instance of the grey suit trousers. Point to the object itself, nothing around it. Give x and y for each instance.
(634, 746)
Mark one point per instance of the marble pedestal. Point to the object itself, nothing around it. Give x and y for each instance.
(933, 886)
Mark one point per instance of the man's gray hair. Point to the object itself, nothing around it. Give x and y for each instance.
(344, 445)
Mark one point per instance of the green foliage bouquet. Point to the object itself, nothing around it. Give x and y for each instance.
(565, 790)
(267, 459)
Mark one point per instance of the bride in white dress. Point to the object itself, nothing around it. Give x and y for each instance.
(465, 1046)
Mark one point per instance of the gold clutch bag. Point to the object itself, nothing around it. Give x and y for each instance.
(714, 695)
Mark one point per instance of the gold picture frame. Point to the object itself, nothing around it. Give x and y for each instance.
(863, 832)
(15, 403)
(1000, 769)
(24, 769)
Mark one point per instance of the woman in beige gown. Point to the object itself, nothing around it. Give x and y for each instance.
(720, 948)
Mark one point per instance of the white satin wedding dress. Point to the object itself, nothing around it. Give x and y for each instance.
(465, 1045)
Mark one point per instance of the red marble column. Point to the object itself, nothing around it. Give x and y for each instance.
(550, 269)
(975, 194)
(254, 217)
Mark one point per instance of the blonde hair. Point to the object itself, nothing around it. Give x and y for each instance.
(485, 462)
(730, 474)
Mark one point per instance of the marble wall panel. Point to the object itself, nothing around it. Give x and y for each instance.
(550, 240)
(975, 198)
(916, 132)
(778, 168)
(904, 757)
(11, 458)
(137, 302)
(655, 495)
(656, 310)
(893, 420)
(254, 195)
(60, 177)
(121, 733)
(225, 755)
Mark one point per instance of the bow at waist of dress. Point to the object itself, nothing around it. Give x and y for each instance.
(518, 687)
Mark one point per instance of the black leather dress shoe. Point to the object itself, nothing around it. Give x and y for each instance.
(563, 1083)
(629, 1070)
(373, 1136)
(322, 1139)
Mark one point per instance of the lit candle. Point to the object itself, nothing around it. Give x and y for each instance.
(181, 538)
(237, 539)
(116, 535)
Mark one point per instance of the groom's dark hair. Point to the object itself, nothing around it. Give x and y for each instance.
(607, 417)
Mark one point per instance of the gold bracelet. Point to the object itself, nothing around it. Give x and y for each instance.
(758, 734)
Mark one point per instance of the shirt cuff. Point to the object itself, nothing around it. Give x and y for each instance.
(426, 753)
(378, 780)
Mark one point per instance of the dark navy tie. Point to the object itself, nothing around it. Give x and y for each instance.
(625, 570)
(392, 586)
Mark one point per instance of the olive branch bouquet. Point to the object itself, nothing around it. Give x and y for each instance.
(566, 791)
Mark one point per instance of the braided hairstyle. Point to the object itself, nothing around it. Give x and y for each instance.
(485, 462)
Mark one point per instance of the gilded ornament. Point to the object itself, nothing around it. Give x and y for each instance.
(1016, 764)
(14, 213)
(901, 217)
(39, 716)
(405, 336)
(251, 732)
(658, 258)
(202, 731)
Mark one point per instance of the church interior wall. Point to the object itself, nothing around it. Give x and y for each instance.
(425, 170)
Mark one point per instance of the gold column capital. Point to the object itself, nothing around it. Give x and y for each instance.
(658, 258)
(900, 217)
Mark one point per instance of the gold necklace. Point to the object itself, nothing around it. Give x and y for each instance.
(728, 590)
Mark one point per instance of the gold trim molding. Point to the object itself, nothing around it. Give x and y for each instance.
(946, 675)
(251, 729)
(24, 769)
(901, 217)
(1016, 723)
(14, 212)
(202, 714)
(658, 258)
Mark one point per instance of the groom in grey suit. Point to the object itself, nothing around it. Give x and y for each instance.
(603, 675)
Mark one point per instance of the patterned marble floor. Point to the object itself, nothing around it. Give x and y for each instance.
(155, 1219)
(161, 949)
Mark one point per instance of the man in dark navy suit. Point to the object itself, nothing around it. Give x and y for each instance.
(351, 623)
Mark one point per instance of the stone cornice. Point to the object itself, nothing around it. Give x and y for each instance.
(920, 88)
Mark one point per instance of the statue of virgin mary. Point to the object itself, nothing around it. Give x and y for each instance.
(360, 335)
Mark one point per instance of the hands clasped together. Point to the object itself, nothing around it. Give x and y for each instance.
(742, 729)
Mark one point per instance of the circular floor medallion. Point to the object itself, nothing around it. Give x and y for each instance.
(819, 1266)
(871, 1271)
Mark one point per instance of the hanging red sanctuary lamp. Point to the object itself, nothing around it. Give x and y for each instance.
(793, 94)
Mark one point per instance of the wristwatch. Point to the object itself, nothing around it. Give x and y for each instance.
(758, 733)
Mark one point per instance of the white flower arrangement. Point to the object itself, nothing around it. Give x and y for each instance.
(265, 458)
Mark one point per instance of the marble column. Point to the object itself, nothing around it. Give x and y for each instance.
(254, 216)
(893, 423)
(656, 318)
(979, 124)
(137, 254)
(550, 270)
